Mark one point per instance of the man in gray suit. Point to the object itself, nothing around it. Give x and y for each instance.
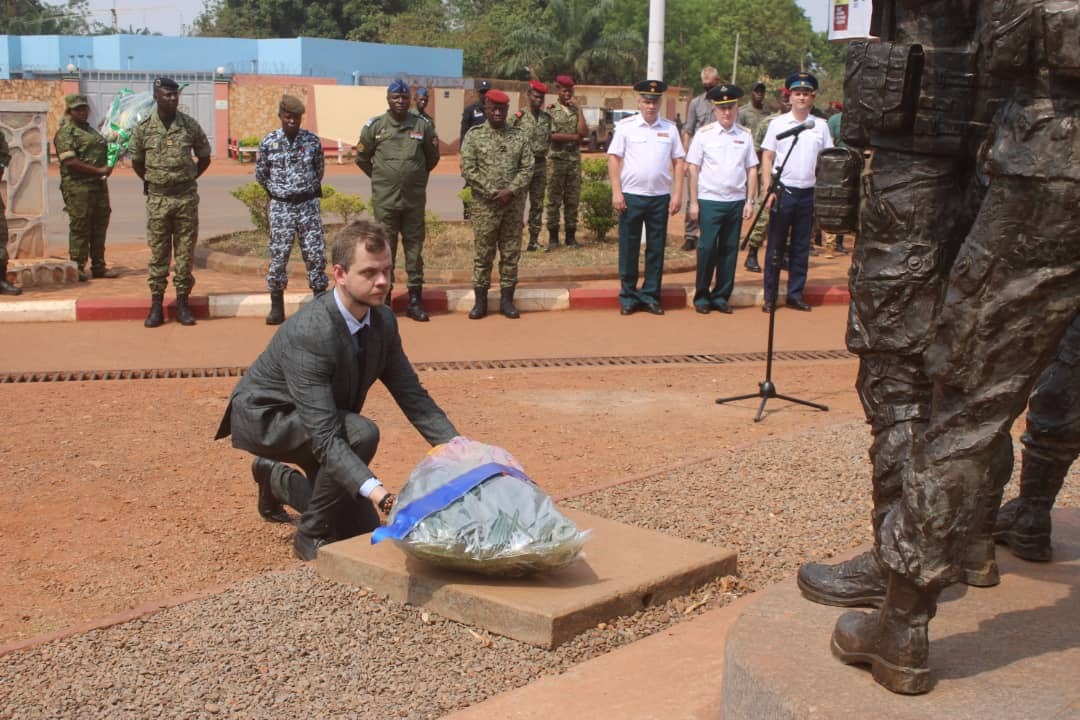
(300, 400)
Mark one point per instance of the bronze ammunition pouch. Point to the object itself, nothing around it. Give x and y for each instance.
(836, 191)
(881, 89)
(1061, 37)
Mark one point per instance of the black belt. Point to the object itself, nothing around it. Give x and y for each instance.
(296, 198)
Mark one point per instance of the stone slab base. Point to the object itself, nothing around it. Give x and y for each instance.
(624, 569)
(41, 272)
(1012, 651)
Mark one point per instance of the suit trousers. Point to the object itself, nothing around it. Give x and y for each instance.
(794, 211)
(652, 213)
(326, 509)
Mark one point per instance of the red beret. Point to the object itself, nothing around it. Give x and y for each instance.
(565, 81)
(498, 97)
(538, 86)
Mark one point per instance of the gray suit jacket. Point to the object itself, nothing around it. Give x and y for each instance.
(296, 390)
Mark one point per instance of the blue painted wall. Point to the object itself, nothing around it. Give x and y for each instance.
(339, 59)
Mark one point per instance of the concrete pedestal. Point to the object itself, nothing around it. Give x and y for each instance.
(1012, 651)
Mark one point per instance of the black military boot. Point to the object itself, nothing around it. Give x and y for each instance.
(751, 263)
(276, 316)
(7, 288)
(157, 315)
(571, 241)
(1023, 523)
(553, 240)
(689, 243)
(415, 310)
(534, 241)
(893, 641)
(183, 312)
(479, 309)
(840, 244)
(506, 304)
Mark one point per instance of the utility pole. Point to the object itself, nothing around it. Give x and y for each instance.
(655, 62)
(735, 62)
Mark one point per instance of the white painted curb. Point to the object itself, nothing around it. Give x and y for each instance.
(525, 300)
(38, 311)
(252, 304)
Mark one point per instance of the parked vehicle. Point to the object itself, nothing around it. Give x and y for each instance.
(617, 115)
(600, 124)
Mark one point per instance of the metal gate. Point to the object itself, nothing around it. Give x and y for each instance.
(197, 99)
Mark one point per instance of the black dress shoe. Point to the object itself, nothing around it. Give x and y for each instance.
(628, 309)
(689, 243)
(703, 309)
(797, 305)
(654, 308)
(269, 507)
(767, 308)
(306, 547)
(722, 307)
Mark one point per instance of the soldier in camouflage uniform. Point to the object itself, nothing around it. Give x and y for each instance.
(398, 150)
(290, 168)
(6, 288)
(84, 168)
(564, 163)
(535, 122)
(497, 162)
(761, 230)
(162, 147)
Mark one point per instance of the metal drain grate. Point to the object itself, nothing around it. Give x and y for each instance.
(513, 364)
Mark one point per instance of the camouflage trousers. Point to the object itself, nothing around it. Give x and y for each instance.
(409, 224)
(296, 220)
(172, 228)
(563, 191)
(3, 239)
(536, 196)
(88, 212)
(497, 227)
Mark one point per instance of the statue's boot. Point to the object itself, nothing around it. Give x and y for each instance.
(893, 641)
(1023, 524)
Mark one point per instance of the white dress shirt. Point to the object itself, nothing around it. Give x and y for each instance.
(722, 157)
(647, 152)
(801, 168)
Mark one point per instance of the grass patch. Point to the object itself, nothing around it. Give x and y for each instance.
(449, 246)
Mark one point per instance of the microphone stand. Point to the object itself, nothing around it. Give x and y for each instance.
(766, 388)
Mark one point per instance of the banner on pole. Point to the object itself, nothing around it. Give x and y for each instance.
(849, 19)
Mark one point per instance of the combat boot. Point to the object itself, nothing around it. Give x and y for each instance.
(479, 309)
(571, 241)
(276, 316)
(183, 311)
(1023, 524)
(751, 263)
(506, 304)
(893, 641)
(534, 242)
(157, 314)
(689, 243)
(415, 310)
(7, 288)
(104, 273)
(553, 240)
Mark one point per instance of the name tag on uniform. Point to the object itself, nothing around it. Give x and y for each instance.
(739, 142)
(661, 135)
(416, 135)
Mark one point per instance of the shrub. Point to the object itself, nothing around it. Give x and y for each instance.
(465, 194)
(250, 141)
(347, 206)
(594, 169)
(434, 227)
(596, 209)
(257, 202)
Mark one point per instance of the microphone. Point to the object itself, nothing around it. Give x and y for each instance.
(808, 125)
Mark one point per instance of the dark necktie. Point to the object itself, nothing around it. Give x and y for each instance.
(360, 337)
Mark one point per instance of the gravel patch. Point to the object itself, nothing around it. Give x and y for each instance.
(290, 644)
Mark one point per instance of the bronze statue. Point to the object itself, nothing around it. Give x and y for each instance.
(965, 278)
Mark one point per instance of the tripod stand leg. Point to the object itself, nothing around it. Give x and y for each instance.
(761, 409)
(747, 396)
(803, 402)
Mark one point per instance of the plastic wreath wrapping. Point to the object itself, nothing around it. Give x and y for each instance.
(470, 506)
(127, 110)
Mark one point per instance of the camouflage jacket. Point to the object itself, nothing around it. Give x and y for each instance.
(564, 119)
(167, 151)
(5, 154)
(82, 142)
(397, 156)
(493, 160)
(536, 127)
(287, 168)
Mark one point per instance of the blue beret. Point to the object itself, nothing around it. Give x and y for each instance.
(398, 86)
(801, 81)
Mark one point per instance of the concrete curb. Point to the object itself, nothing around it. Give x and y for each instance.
(436, 301)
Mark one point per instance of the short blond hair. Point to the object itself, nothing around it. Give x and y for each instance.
(709, 73)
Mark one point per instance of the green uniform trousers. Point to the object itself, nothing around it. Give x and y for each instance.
(88, 212)
(650, 212)
(537, 186)
(497, 227)
(717, 251)
(172, 228)
(563, 191)
(409, 224)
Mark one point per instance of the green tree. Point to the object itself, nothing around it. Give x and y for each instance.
(34, 17)
(570, 37)
(335, 19)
